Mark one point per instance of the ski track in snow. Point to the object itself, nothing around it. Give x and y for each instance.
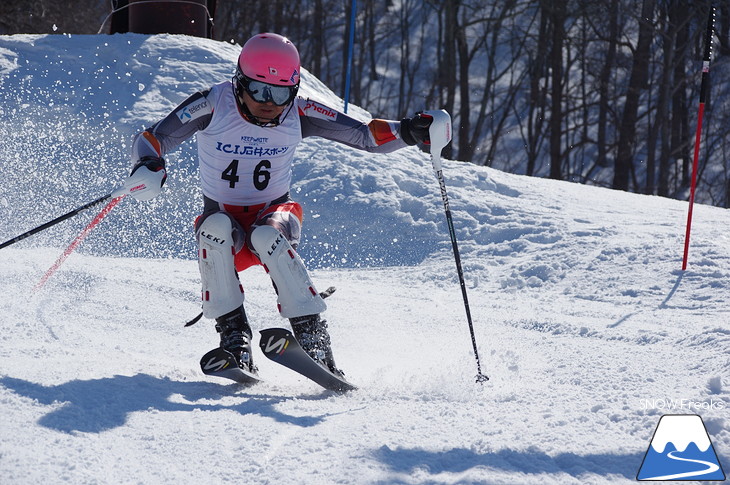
(580, 309)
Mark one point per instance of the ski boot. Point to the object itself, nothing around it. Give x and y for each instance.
(236, 337)
(311, 333)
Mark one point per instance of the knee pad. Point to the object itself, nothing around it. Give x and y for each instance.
(222, 291)
(295, 290)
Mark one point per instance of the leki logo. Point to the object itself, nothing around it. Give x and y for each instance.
(211, 237)
(275, 245)
(278, 347)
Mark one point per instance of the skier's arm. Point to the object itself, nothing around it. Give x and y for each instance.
(377, 136)
(148, 167)
(194, 114)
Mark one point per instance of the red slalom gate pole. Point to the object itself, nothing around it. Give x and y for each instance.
(698, 135)
(693, 185)
(70, 249)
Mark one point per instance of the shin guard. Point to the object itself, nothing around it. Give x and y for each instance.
(296, 293)
(222, 291)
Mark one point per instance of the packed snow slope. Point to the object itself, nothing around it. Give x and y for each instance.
(584, 321)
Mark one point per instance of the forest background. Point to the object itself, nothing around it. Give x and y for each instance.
(602, 93)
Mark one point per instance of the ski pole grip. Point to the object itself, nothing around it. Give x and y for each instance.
(120, 192)
(439, 133)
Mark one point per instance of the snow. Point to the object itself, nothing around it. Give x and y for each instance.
(585, 323)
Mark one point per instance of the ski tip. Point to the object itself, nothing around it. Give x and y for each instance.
(275, 331)
(221, 363)
(280, 345)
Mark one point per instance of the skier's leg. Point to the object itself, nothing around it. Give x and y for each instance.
(219, 238)
(217, 244)
(270, 240)
(274, 240)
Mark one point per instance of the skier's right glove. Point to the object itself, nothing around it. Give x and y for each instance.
(147, 178)
(415, 130)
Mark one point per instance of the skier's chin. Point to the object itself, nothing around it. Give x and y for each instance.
(264, 120)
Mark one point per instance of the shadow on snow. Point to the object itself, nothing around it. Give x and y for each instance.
(459, 460)
(102, 404)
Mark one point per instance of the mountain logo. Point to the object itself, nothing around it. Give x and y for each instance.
(680, 450)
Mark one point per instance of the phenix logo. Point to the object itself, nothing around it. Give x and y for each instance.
(680, 450)
(320, 111)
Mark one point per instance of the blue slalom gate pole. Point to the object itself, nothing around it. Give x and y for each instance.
(350, 44)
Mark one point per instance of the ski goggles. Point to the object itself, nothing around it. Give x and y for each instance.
(263, 92)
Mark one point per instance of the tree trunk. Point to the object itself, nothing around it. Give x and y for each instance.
(603, 84)
(317, 52)
(637, 82)
(448, 69)
(681, 136)
(557, 11)
(665, 95)
(466, 150)
(538, 101)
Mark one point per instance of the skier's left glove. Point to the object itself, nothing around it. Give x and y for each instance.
(415, 130)
(147, 178)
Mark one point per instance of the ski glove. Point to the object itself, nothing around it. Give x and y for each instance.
(147, 178)
(415, 130)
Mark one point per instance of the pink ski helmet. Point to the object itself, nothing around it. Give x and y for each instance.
(270, 58)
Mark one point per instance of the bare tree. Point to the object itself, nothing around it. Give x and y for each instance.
(537, 106)
(556, 12)
(604, 81)
(637, 83)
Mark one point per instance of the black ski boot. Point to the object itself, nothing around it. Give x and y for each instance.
(236, 337)
(311, 333)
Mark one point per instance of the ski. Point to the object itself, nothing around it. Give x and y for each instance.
(279, 345)
(221, 363)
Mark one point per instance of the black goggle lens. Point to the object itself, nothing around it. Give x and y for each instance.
(263, 92)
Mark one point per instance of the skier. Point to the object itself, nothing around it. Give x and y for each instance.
(247, 132)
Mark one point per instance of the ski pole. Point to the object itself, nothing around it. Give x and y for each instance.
(55, 221)
(440, 136)
(79, 238)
